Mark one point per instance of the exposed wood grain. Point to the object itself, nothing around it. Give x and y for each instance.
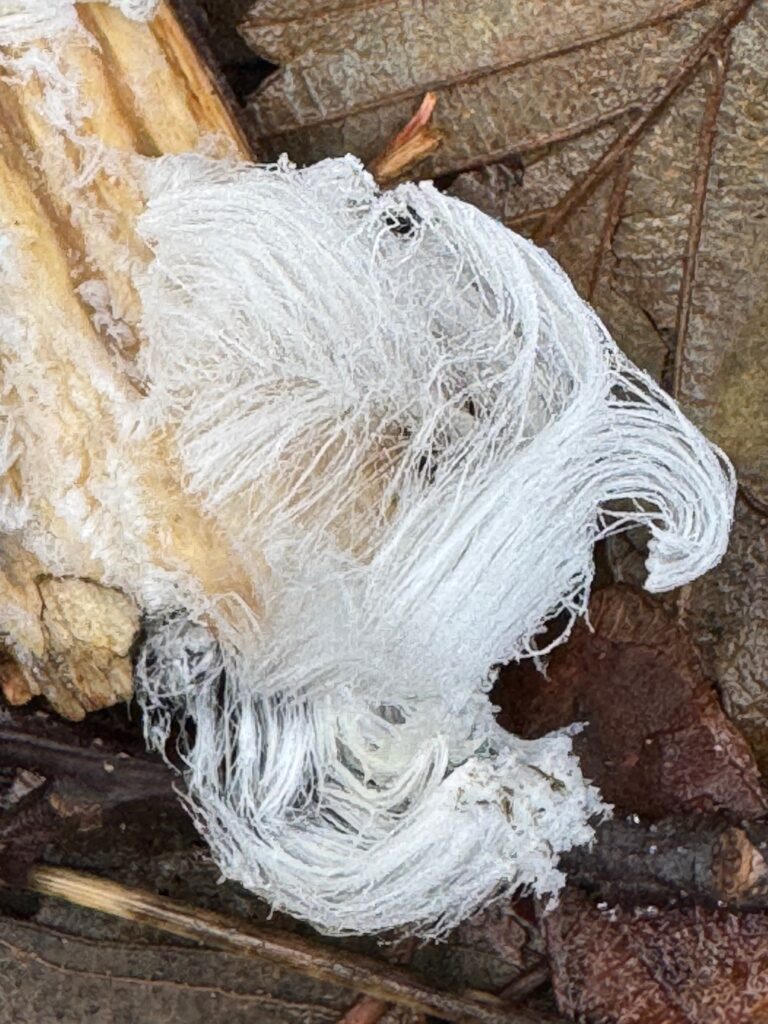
(141, 88)
(415, 141)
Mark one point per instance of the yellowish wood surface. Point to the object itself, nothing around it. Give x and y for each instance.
(71, 217)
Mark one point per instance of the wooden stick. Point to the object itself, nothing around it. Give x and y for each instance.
(340, 967)
(709, 860)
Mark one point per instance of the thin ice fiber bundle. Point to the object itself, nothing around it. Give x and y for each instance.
(413, 431)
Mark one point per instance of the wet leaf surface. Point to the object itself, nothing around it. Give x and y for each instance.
(656, 741)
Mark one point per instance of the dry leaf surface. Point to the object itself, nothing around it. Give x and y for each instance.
(674, 966)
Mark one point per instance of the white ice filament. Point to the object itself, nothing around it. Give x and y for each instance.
(414, 431)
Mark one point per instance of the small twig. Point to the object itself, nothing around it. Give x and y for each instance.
(412, 144)
(709, 860)
(526, 984)
(366, 1010)
(57, 754)
(363, 974)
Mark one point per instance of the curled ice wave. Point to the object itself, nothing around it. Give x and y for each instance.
(413, 431)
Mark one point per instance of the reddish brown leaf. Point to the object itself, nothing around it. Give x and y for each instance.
(657, 741)
(678, 966)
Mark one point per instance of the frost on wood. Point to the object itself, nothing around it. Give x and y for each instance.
(372, 441)
(26, 21)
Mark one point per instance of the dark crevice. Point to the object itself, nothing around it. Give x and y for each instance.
(245, 76)
(216, 20)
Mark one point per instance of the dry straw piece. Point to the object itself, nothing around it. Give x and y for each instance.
(351, 451)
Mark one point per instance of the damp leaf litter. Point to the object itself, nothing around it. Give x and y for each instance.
(347, 451)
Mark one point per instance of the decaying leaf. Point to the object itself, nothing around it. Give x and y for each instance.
(510, 78)
(630, 137)
(655, 966)
(613, 110)
(50, 977)
(656, 741)
(728, 613)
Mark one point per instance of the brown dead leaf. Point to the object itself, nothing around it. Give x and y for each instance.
(510, 77)
(675, 966)
(641, 127)
(657, 742)
(52, 976)
(728, 614)
(630, 137)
